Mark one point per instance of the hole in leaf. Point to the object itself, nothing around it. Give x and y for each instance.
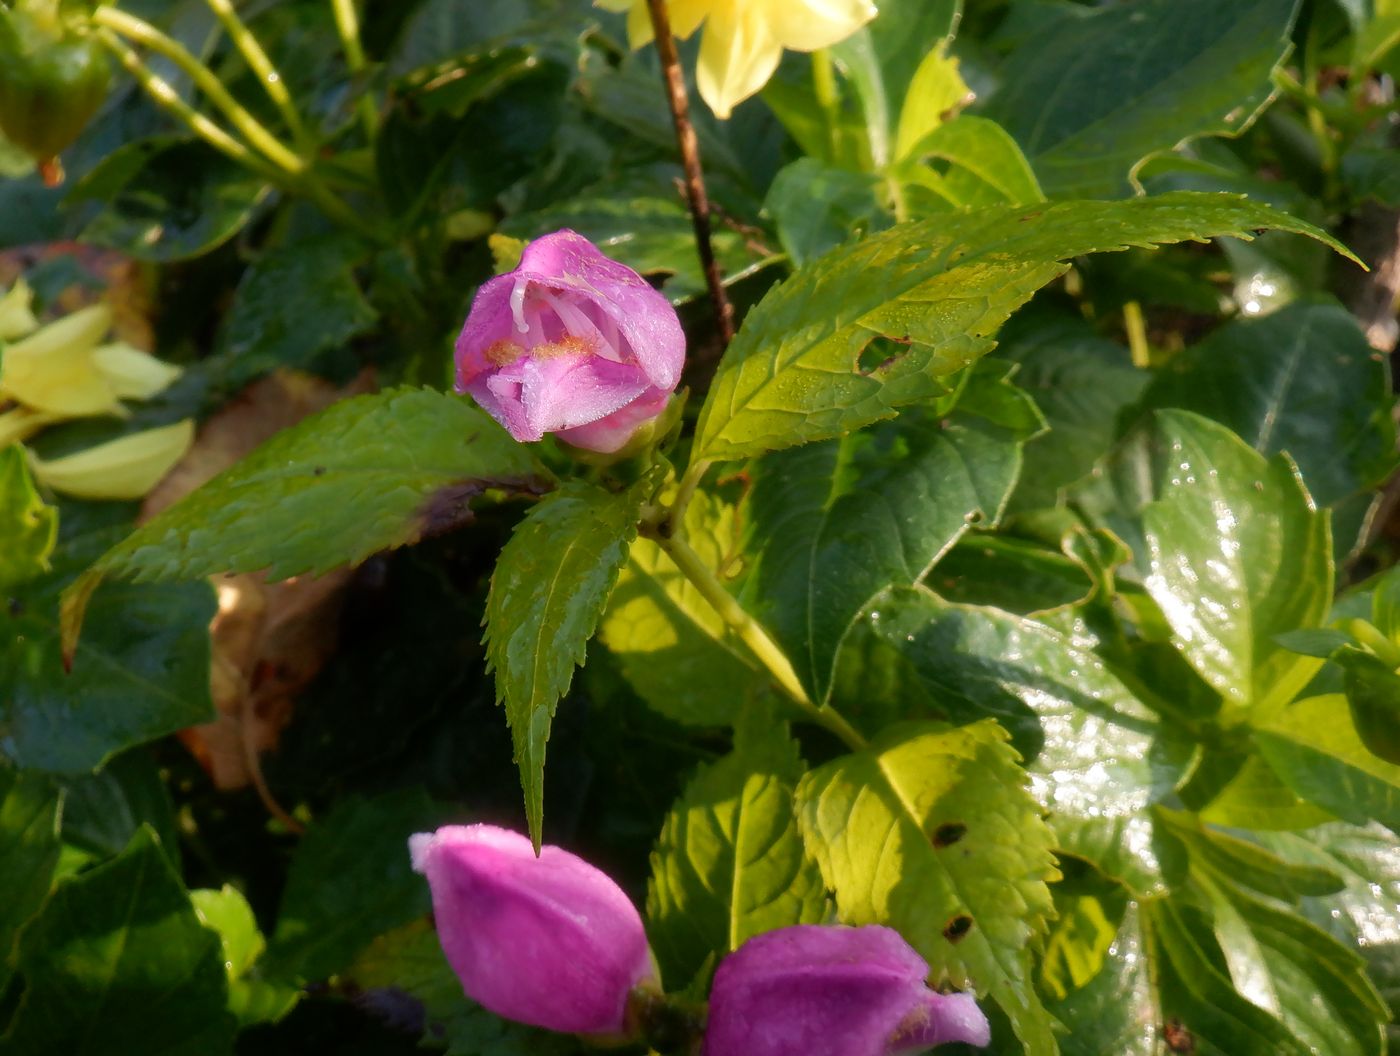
(957, 928)
(949, 834)
(881, 353)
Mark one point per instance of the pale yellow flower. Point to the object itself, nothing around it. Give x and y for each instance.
(16, 312)
(126, 468)
(52, 370)
(133, 374)
(744, 39)
(20, 423)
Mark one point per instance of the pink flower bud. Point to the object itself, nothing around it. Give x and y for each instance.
(571, 343)
(549, 941)
(833, 991)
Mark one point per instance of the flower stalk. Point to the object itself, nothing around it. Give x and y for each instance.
(262, 67)
(689, 146)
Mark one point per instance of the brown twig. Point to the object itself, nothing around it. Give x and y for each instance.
(690, 158)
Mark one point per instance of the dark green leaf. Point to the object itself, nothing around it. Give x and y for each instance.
(367, 474)
(1373, 694)
(835, 523)
(29, 847)
(729, 863)
(548, 593)
(103, 811)
(949, 805)
(168, 199)
(1242, 862)
(817, 207)
(1238, 553)
(937, 288)
(142, 671)
(1112, 1012)
(1092, 96)
(28, 525)
(350, 881)
(118, 963)
(906, 31)
(295, 303)
(1301, 380)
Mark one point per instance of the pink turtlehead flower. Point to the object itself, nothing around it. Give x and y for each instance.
(549, 941)
(813, 990)
(570, 343)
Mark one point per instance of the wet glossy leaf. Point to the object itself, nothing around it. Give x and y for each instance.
(166, 199)
(1238, 553)
(548, 593)
(28, 525)
(367, 474)
(672, 646)
(350, 881)
(29, 847)
(1088, 741)
(1093, 95)
(729, 863)
(1301, 380)
(1246, 863)
(1116, 1010)
(833, 524)
(118, 963)
(950, 806)
(1315, 749)
(937, 288)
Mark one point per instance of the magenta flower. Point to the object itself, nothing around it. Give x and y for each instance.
(550, 941)
(833, 991)
(570, 343)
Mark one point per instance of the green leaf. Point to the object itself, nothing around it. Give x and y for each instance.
(29, 847)
(1109, 1014)
(103, 811)
(141, 672)
(1373, 172)
(833, 524)
(986, 167)
(165, 199)
(904, 33)
(117, 962)
(1315, 749)
(671, 645)
(653, 236)
(1238, 554)
(1373, 694)
(28, 525)
(1054, 697)
(250, 999)
(366, 474)
(1302, 380)
(1315, 986)
(818, 206)
(1003, 572)
(794, 372)
(1088, 911)
(969, 891)
(548, 593)
(1256, 797)
(1247, 863)
(1082, 383)
(1195, 993)
(350, 881)
(729, 863)
(293, 304)
(936, 90)
(1092, 96)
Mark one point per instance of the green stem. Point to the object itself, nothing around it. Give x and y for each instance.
(752, 634)
(262, 67)
(347, 24)
(258, 137)
(693, 475)
(169, 100)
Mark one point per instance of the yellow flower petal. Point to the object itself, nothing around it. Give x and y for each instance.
(20, 423)
(53, 370)
(133, 374)
(686, 16)
(16, 312)
(126, 468)
(806, 25)
(737, 56)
